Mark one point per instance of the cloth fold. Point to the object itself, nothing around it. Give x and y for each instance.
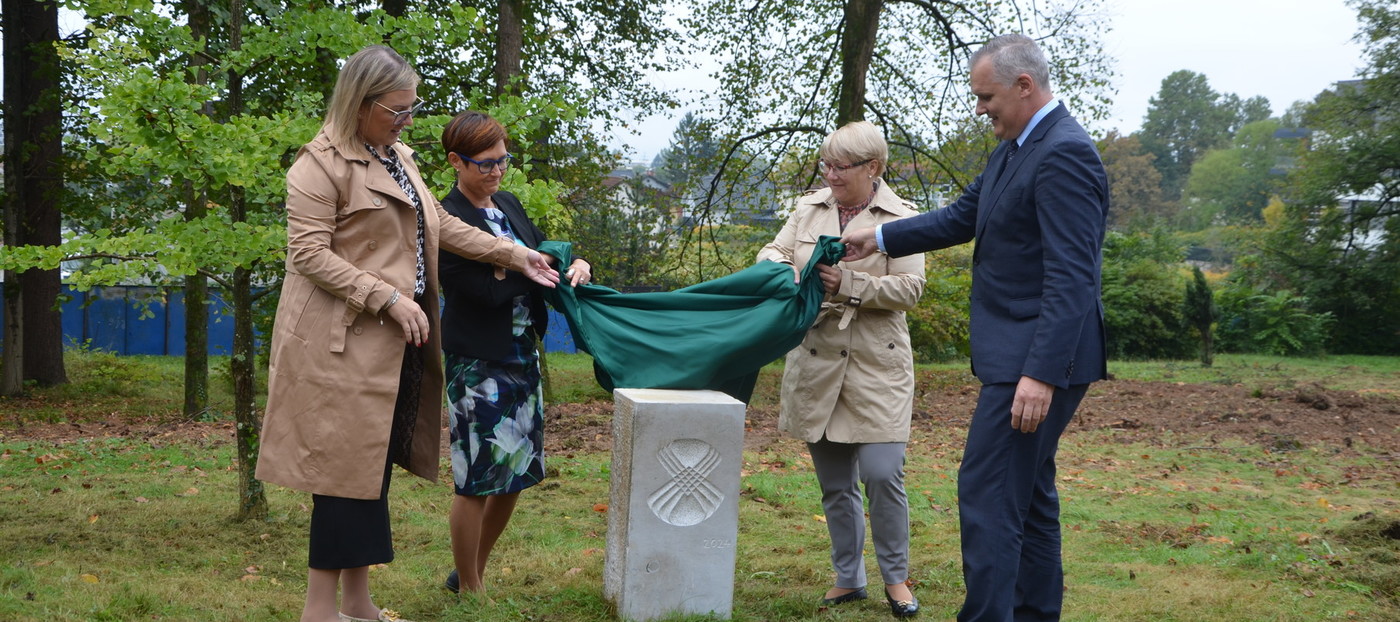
(711, 335)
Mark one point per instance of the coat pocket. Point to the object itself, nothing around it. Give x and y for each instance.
(1023, 308)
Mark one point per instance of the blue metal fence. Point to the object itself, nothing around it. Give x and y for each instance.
(111, 319)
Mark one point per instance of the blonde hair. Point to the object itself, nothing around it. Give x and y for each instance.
(855, 142)
(368, 74)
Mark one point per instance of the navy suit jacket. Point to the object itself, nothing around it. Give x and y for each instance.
(477, 309)
(1039, 226)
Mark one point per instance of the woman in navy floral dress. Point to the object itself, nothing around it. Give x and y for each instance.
(491, 321)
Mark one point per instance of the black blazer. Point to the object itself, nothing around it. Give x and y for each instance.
(476, 316)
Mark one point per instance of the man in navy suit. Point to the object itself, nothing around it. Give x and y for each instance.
(1037, 213)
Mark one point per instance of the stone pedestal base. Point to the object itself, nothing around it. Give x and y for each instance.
(674, 511)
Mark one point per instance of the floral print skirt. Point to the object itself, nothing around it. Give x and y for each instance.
(496, 415)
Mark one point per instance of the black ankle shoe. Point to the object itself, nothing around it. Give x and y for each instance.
(453, 582)
(903, 608)
(848, 597)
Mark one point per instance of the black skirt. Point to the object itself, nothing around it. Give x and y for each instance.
(351, 533)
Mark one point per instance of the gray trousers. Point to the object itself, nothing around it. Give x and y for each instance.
(841, 468)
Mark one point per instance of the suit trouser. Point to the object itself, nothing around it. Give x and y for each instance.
(841, 468)
(1009, 511)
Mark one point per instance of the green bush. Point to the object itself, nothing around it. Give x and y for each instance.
(1143, 303)
(1270, 323)
(938, 326)
(1143, 296)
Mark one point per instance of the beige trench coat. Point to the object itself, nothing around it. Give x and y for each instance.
(334, 371)
(852, 379)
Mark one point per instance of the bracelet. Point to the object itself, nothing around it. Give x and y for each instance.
(393, 298)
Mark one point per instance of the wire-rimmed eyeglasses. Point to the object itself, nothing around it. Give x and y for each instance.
(838, 169)
(401, 116)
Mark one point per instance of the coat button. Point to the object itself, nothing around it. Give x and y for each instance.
(377, 201)
(813, 351)
(359, 330)
(843, 354)
(373, 244)
(891, 346)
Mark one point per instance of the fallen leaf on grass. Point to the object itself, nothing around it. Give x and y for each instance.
(250, 577)
(819, 518)
(572, 571)
(189, 492)
(600, 507)
(142, 500)
(88, 578)
(92, 519)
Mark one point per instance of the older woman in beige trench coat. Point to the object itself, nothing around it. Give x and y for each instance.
(346, 396)
(848, 389)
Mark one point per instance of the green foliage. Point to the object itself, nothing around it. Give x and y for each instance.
(783, 71)
(1143, 295)
(626, 237)
(1186, 119)
(1235, 184)
(1198, 309)
(1337, 245)
(710, 252)
(1135, 185)
(1270, 323)
(938, 326)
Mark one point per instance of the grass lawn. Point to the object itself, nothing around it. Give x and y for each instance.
(137, 528)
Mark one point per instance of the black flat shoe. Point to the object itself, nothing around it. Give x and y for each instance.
(848, 597)
(903, 608)
(453, 583)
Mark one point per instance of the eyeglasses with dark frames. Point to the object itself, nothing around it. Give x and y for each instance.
(838, 169)
(485, 166)
(401, 116)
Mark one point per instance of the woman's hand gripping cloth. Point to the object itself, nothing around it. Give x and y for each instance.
(712, 335)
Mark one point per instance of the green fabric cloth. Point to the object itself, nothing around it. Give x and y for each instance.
(712, 335)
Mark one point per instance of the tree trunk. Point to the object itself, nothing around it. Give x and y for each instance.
(395, 8)
(510, 38)
(252, 501)
(196, 286)
(33, 183)
(862, 21)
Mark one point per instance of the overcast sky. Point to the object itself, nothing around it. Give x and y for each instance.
(1284, 50)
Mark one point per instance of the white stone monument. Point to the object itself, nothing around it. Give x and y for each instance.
(674, 512)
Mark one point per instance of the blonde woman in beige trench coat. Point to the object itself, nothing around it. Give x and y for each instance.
(355, 381)
(848, 388)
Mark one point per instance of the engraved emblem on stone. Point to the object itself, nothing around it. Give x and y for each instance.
(689, 497)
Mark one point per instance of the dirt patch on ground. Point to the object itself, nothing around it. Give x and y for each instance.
(1281, 419)
(1150, 412)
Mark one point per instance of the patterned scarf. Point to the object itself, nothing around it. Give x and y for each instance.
(396, 170)
(846, 214)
